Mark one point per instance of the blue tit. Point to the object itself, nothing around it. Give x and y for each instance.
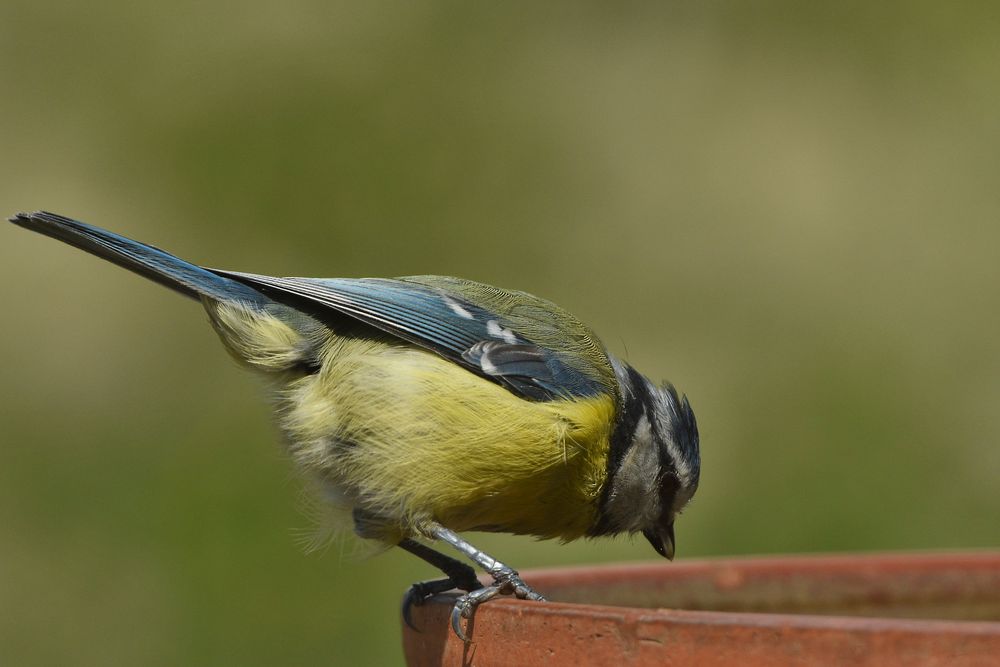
(426, 406)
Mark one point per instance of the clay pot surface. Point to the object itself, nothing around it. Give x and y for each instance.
(884, 609)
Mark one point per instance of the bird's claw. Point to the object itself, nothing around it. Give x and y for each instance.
(505, 582)
(419, 593)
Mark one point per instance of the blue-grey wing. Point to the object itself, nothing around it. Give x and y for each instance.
(445, 323)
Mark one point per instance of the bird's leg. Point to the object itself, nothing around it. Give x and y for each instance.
(505, 579)
(457, 575)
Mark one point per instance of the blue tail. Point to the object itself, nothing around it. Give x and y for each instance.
(143, 259)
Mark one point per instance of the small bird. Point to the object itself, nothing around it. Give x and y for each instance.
(425, 406)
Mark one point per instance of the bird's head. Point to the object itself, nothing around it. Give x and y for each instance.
(654, 462)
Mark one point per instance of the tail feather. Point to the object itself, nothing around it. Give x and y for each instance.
(146, 260)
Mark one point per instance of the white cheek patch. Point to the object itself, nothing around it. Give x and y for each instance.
(635, 499)
(494, 329)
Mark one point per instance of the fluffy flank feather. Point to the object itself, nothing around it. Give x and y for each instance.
(255, 337)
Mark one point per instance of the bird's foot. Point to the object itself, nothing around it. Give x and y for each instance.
(422, 591)
(458, 575)
(506, 581)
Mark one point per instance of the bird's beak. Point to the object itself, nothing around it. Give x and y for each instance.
(662, 540)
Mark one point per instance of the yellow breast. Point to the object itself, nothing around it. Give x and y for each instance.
(407, 436)
(410, 436)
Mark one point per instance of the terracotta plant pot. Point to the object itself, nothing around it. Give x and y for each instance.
(939, 609)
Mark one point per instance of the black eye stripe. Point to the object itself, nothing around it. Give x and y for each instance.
(669, 483)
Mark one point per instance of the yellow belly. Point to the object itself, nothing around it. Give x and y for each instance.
(409, 436)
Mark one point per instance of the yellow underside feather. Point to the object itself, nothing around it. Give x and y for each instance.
(407, 436)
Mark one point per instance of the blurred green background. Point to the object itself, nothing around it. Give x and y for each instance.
(790, 210)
